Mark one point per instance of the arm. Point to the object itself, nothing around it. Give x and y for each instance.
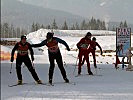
(40, 44)
(13, 51)
(62, 42)
(31, 52)
(99, 48)
(79, 44)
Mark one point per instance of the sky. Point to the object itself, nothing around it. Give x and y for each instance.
(106, 9)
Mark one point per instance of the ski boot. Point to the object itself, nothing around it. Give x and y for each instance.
(66, 80)
(19, 82)
(90, 73)
(50, 81)
(39, 82)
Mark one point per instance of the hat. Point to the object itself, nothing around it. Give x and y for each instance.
(94, 38)
(88, 34)
(23, 37)
(49, 35)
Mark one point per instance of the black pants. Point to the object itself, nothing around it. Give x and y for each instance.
(28, 63)
(56, 56)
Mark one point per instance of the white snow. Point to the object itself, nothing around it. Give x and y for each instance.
(111, 84)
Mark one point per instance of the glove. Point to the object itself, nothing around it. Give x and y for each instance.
(32, 58)
(12, 59)
(68, 49)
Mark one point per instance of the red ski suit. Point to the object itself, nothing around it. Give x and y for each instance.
(83, 51)
(92, 49)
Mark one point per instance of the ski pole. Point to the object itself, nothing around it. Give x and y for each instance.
(11, 69)
(96, 70)
(75, 66)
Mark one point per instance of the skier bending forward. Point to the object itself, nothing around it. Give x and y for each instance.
(54, 54)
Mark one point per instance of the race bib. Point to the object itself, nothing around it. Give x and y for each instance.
(84, 45)
(53, 49)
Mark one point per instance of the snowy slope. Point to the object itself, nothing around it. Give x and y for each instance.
(106, 39)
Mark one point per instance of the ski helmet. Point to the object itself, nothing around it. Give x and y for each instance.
(49, 35)
(94, 39)
(23, 37)
(88, 34)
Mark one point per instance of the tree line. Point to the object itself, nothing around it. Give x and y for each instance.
(93, 24)
(11, 31)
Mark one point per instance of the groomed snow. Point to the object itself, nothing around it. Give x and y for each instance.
(111, 84)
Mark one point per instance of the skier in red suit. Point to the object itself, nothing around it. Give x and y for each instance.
(83, 45)
(92, 49)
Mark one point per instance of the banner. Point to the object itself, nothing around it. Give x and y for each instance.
(123, 41)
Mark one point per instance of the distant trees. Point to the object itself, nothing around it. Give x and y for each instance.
(65, 26)
(9, 31)
(123, 24)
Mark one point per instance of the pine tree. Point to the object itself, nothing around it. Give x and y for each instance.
(37, 26)
(83, 25)
(48, 27)
(54, 25)
(77, 26)
(42, 26)
(33, 27)
(18, 31)
(65, 27)
(103, 26)
(73, 27)
(6, 29)
(125, 24)
(121, 24)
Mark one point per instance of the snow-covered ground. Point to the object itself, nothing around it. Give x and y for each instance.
(111, 84)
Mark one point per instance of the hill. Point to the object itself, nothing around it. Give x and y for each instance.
(21, 14)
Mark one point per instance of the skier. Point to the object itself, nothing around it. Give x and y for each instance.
(22, 48)
(92, 49)
(82, 45)
(54, 54)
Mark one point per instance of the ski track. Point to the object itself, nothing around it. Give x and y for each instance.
(112, 85)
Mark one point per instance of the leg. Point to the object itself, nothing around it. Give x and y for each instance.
(83, 61)
(79, 65)
(27, 62)
(18, 68)
(51, 68)
(94, 58)
(88, 64)
(60, 65)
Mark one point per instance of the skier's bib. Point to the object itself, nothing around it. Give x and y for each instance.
(23, 49)
(84, 46)
(53, 49)
(53, 46)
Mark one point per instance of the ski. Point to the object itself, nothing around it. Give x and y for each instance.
(72, 83)
(47, 84)
(17, 85)
(88, 75)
